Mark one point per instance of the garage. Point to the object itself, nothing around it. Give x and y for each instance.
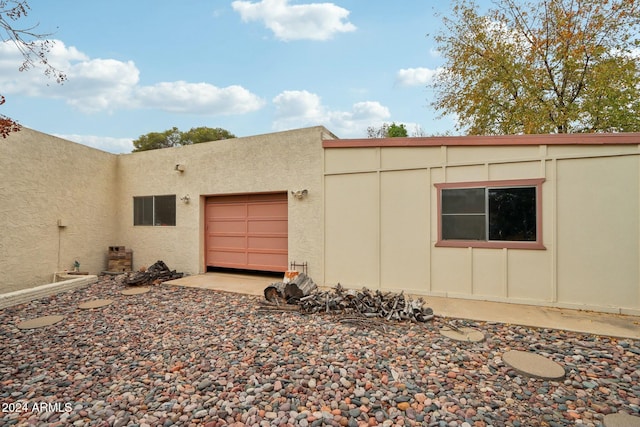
(248, 231)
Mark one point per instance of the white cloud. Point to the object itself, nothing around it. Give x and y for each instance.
(12, 80)
(198, 98)
(298, 105)
(415, 76)
(314, 21)
(369, 109)
(60, 56)
(95, 85)
(296, 109)
(100, 85)
(104, 143)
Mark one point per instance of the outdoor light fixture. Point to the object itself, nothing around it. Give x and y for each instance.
(299, 194)
(185, 198)
(179, 168)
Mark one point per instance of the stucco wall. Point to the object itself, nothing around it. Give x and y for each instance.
(382, 225)
(44, 179)
(370, 217)
(277, 162)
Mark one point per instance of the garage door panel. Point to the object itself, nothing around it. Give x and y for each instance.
(266, 260)
(228, 242)
(276, 244)
(271, 227)
(247, 231)
(221, 211)
(230, 259)
(267, 210)
(228, 227)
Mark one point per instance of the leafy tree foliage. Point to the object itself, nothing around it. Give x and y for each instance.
(34, 48)
(205, 134)
(7, 125)
(551, 66)
(396, 131)
(387, 131)
(174, 137)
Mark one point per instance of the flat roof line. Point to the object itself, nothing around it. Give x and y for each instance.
(491, 140)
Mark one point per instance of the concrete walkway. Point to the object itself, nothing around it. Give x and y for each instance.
(613, 325)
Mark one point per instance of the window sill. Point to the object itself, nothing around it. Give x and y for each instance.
(490, 245)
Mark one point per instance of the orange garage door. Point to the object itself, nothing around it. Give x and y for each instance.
(247, 232)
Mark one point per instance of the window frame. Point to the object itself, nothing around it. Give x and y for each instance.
(153, 211)
(497, 244)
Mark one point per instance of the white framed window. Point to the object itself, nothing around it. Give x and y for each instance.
(492, 214)
(154, 210)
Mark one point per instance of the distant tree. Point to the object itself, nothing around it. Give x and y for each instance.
(205, 134)
(553, 66)
(378, 132)
(387, 131)
(33, 46)
(418, 131)
(396, 131)
(174, 137)
(157, 140)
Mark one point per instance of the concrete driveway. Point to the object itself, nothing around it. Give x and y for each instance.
(614, 325)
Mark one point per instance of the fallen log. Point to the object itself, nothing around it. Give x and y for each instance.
(301, 286)
(275, 293)
(292, 292)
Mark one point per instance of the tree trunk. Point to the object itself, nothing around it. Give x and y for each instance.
(290, 292)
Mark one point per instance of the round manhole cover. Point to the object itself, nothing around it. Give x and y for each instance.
(621, 419)
(96, 303)
(135, 291)
(39, 322)
(533, 365)
(462, 334)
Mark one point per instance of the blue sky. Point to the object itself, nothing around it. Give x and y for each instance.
(251, 67)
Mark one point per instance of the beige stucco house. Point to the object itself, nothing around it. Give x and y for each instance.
(549, 220)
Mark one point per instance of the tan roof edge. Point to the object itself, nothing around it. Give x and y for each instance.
(494, 140)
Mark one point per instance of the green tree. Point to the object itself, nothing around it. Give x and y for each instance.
(554, 66)
(387, 131)
(174, 137)
(33, 46)
(204, 134)
(396, 131)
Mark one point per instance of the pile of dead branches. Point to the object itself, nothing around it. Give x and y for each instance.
(361, 304)
(157, 273)
(366, 303)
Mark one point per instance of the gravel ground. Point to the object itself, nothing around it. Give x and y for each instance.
(186, 356)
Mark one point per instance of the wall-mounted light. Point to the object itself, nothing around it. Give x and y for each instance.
(179, 168)
(299, 194)
(185, 198)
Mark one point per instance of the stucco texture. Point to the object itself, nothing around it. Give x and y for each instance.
(45, 180)
(277, 162)
(370, 217)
